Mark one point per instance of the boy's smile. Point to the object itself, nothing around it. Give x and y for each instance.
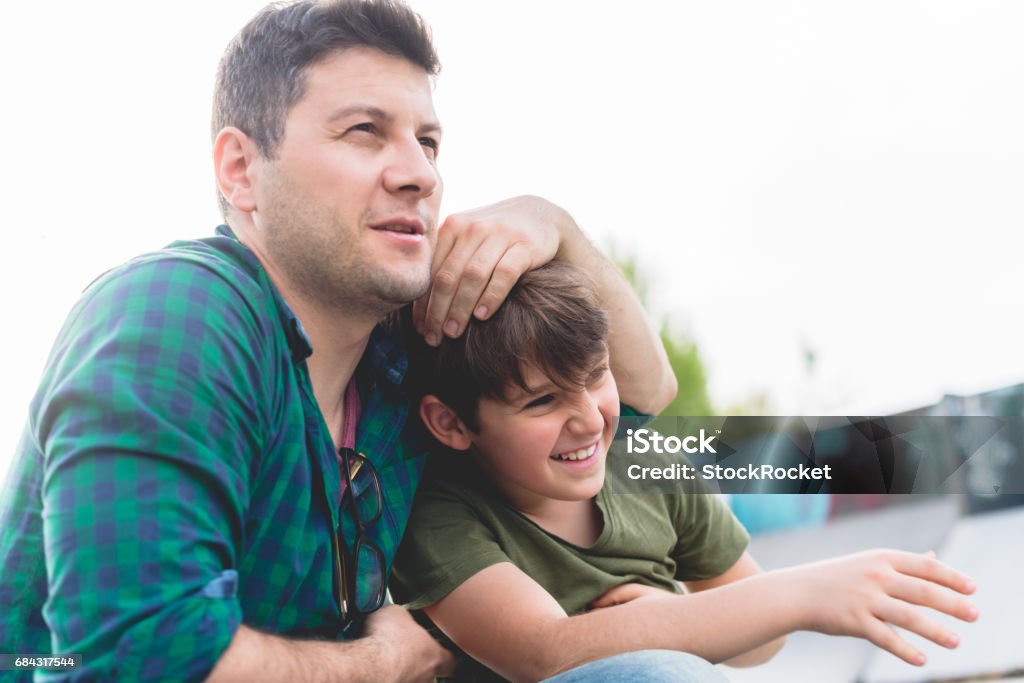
(548, 443)
(580, 455)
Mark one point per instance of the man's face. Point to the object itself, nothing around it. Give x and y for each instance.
(526, 442)
(347, 212)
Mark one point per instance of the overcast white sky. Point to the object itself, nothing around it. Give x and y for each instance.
(843, 177)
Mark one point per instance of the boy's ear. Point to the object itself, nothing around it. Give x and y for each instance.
(444, 424)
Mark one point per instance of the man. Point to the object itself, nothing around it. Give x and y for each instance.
(218, 464)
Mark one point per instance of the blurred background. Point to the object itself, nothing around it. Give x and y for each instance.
(820, 201)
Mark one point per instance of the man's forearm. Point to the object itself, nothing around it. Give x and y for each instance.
(638, 359)
(255, 656)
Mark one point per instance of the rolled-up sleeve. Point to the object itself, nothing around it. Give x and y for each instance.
(149, 421)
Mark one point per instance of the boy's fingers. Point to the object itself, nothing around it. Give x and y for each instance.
(899, 613)
(884, 637)
(928, 594)
(622, 593)
(927, 567)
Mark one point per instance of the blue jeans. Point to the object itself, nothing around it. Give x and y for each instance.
(646, 666)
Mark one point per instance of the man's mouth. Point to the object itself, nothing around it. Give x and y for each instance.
(405, 229)
(579, 454)
(404, 226)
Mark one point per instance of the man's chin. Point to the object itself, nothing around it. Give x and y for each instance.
(394, 294)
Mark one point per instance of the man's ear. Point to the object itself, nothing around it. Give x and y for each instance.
(444, 424)
(234, 154)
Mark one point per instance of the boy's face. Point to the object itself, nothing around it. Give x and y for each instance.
(549, 442)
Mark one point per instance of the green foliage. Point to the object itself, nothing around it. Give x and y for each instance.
(683, 353)
(692, 398)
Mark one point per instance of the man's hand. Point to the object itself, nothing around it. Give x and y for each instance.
(862, 595)
(413, 653)
(394, 649)
(480, 256)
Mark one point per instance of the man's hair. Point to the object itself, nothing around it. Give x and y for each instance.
(551, 319)
(262, 73)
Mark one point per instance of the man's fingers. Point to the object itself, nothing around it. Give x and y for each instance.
(884, 637)
(444, 285)
(476, 275)
(447, 666)
(419, 311)
(515, 261)
(929, 594)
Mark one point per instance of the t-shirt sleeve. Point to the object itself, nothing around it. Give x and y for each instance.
(445, 543)
(711, 539)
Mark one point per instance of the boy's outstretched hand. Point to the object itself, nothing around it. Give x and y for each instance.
(865, 594)
(860, 595)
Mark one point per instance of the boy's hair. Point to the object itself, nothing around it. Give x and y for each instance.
(262, 73)
(551, 319)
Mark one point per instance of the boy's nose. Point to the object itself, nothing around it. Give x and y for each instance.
(588, 418)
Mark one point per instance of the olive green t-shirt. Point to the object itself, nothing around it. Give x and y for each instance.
(461, 525)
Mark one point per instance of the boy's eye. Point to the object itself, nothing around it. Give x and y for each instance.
(597, 374)
(543, 400)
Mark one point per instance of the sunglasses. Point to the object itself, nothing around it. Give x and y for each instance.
(361, 566)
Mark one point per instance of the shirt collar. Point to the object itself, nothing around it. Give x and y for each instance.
(384, 355)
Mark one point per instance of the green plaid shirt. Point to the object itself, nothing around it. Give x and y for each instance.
(174, 477)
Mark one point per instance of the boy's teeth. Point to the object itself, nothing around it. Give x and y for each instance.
(578, 454)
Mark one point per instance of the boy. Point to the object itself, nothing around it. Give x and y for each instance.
(515, 542)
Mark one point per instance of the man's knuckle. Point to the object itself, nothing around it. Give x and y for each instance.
(445, 281)
(507, 271)
(477, 272)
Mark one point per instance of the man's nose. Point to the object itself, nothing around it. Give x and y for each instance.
(409, 170)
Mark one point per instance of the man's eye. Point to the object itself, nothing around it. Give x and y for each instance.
(363, 127)
(431, 144)
(543, 400)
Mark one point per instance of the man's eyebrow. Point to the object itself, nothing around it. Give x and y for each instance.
(432, 127)
(378, 114)
(357, 108)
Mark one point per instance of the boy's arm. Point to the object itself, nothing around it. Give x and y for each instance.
(858, 595)
(744, 568)
(481, 254)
